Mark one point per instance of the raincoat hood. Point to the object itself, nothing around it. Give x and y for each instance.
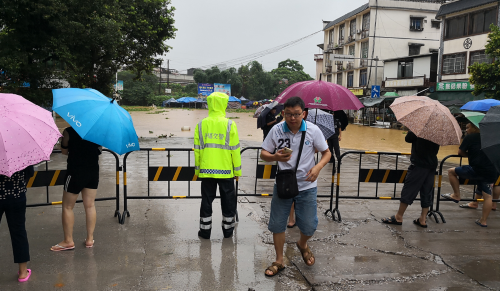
(217, 104)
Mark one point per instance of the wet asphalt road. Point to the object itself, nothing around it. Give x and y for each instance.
(158, 249)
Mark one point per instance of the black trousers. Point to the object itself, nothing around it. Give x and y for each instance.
(228, 203)
(15, 212)
(333, 145)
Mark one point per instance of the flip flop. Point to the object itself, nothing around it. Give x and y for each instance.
(87, 246)
(479, 223)
(391, 220)
(448, 197)
(25, 279)
(61, 248)
(275, 268)
(417, 222)
(466, 205)
(291, 226)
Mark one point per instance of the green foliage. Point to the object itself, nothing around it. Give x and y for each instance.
(49, 42)
(252, 81)
(486, 77)
(139, 91)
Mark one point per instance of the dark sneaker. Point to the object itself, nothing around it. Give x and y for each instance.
(204, 234)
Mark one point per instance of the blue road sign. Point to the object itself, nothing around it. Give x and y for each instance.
(375, 91)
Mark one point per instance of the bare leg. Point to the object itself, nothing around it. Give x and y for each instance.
(486, 208)
(455, 183)
(423, 216)
(291, 217)
(401, 211)
(279, 243)
(88, 197)
(496, 195)
(303, 244)
(68, 218)
(23, 270)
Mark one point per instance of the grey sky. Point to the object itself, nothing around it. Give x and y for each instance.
(213, 31)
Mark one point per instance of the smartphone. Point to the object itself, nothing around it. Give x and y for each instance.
(287, 150)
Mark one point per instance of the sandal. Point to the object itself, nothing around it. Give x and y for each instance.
(481, 225)
(447, 196)
(59, 248)
(89, 246)
(466, 205)
(391, 220)
(275, 268)
(417, 222)
(306, 254)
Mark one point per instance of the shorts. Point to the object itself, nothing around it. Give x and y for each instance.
(76, 180)
(418, 180)
(467, 172)
(306, 215)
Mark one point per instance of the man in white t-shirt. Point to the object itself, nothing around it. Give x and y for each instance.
(288, 134)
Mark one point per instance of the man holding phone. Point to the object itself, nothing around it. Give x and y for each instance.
(288, 135)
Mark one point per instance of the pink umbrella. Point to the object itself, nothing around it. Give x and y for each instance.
(322, 95)
(27, 134)
(428, 119)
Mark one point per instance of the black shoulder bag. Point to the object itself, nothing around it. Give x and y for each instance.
(286, 180)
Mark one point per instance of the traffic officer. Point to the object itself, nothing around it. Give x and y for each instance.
(217, 161)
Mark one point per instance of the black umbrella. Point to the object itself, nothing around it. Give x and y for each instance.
(261, 120)
(342, 117)
(490, 135)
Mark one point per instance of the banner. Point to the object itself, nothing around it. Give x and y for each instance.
(118, 86)
(223, 88)
(205, 89)
(455, 86)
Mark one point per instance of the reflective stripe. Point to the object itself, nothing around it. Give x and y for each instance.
(229, 122)
(228, 226)
(196, 167)
(206, 219)
(200, 136)
(203, 226)
(219, 146)
(213, 171)
(235, 147)
(197, 147)
(227, 219)
(237, 168)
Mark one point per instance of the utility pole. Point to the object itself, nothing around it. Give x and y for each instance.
(159, 84)
(168, 73)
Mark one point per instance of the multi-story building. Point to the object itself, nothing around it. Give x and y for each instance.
(386, 29)
(465, 26)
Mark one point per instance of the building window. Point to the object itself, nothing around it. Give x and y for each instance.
(405, 69)
(353, 27)
(454, 64)
(351, 50)
(414, 50)
(480, 57)
(341, 33)
(331, 38)
(339, 79)
(350, 79)
(329, 78)
(416, 24)
(470, 24)
(364, 50)
(363, 77)
(366, 22)
(435, 24)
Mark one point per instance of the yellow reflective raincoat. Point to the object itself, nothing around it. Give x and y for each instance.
(216, 142)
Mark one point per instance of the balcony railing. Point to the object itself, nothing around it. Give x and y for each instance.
(340, 68)
(351, 38)
(365, 34)
(318, 57)
(350, 66)
(339, 63)
(363, 63)
(328, 69)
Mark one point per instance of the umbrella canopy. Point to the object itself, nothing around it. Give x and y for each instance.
(186, 100)
(322, 95)
(474, 117)
(259, 110)
(250, 103)
(27, 134)
(234, 99)
(391, 94)
(428, 119)
(261, 119)
(323, 120)
(243, 98)
(490, 139)
(97, 118)
(480, 105)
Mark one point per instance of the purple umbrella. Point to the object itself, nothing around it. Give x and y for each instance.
(322, 95)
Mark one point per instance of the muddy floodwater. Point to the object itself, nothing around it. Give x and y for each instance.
(170, 121)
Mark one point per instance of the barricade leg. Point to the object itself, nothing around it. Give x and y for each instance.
(332, 210)
(125, 200)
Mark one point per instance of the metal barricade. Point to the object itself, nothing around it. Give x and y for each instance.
(50, 178)
(268, 172)
(161, 173)
(367, 175)
(462, 182)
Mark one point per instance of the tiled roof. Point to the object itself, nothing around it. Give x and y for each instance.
(348, 15)
(461, 5)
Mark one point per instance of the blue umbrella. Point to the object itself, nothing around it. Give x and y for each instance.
(480, 105)
(97, 118)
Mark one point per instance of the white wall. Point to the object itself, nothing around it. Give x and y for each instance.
(422, 66)
(391, 70)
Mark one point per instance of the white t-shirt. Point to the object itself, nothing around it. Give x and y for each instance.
(280, 136)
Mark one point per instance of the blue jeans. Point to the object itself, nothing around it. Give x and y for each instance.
(306, 215)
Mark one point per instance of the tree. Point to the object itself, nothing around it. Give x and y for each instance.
(138, 92)
(486, 76)
(288, 73)
(47, 42)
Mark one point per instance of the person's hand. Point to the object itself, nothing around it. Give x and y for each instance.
(340, 138)
(313, 174)
(280, 156)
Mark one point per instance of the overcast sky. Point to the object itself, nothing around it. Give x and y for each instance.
(215, 31)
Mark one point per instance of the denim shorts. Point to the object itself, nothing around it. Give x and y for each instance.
(306, 215)
(466, 172)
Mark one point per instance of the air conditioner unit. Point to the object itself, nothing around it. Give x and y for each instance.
(359, 31)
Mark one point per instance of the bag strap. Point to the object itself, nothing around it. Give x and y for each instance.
(300, 149)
